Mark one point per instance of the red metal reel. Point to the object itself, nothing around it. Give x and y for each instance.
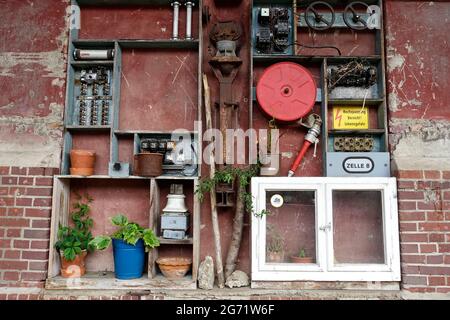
(286, 91)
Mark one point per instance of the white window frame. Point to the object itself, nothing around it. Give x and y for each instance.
(325, 269)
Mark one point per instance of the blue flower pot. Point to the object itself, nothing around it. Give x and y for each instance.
(129, 260)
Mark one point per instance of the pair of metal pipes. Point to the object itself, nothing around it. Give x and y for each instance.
(176, 14)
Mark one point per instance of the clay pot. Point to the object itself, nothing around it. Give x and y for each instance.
(174, 268)
(275, 256)
(82, 162)
(148, 164)
(75, 268)
(295, 259)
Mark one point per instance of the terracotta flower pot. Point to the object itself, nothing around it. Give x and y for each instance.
(82, 162)
(174, 268)
(296, 259)
(275, 256)
(75, 268)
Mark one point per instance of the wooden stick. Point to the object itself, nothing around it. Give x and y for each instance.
(214, 217)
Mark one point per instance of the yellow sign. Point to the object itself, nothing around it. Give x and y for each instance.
(345, 118)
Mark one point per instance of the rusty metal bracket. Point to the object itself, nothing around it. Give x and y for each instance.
(225, 65)
(225, 195)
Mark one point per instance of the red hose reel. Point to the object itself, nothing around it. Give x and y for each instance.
(286, 91)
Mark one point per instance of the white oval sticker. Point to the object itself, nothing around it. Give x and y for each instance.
(358, 165)
(276, 200)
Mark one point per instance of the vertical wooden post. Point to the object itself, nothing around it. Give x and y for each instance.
(214, 217)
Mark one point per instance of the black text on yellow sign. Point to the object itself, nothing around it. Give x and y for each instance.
(350, 118)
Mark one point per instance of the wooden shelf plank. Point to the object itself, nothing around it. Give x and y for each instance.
(99, 177)
(94, 43)
(302, 58)
(138, 43)
(362, 131)
(175, 241)
(159, 44)
(358, 102)
(107, 281)
(92, 62)
(176, 177)
(127, 177)
(124, 2)
(132, 132)
(88, 128)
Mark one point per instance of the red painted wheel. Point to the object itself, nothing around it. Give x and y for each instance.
(286, 91)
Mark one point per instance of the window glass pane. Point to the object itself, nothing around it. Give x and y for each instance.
(358, 227)
(290, 223)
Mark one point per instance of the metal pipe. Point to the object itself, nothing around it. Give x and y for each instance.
(189, 6)
(176, 11)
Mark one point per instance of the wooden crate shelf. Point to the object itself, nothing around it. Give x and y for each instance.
(107, 281)
(105, 141)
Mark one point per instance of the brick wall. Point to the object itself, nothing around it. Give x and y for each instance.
(25, 209)
(424, 214)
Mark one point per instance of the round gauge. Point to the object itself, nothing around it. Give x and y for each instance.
(276, 200)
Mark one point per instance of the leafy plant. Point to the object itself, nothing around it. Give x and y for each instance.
(73, 240)
(130, 232)
(302, 253)
(275, 242)
(228, 175)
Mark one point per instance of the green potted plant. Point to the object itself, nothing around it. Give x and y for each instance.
(130, 242)
(275, 245)
(73, 242)
(302, 257)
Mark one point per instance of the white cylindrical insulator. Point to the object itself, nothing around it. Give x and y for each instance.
(189, 6)
(81, 54)
(176, 13)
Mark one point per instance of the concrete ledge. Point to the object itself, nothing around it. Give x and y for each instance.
(216, 294)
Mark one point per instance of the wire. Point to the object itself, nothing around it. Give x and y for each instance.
(279, 48)
(320, 47)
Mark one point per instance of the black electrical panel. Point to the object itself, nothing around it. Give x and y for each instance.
(273, 30)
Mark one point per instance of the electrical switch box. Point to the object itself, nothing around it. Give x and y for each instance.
(175, 221)
(273, 29)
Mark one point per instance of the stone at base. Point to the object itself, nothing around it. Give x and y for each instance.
(238, 279)
(206, 274)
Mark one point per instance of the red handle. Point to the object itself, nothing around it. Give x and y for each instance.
(300, 156)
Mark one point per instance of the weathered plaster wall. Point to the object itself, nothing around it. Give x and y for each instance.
(418, 51)
(33, 40)
(33, 49)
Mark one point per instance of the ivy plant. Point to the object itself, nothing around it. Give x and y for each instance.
(72, 241)
(129, 232)
(228, 175)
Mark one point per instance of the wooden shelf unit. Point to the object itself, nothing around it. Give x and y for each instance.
(318, 64)
(73, 133)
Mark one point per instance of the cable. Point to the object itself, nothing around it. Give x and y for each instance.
(306, 46)
(320, 47)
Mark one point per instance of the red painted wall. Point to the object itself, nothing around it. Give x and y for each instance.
(32, 68)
